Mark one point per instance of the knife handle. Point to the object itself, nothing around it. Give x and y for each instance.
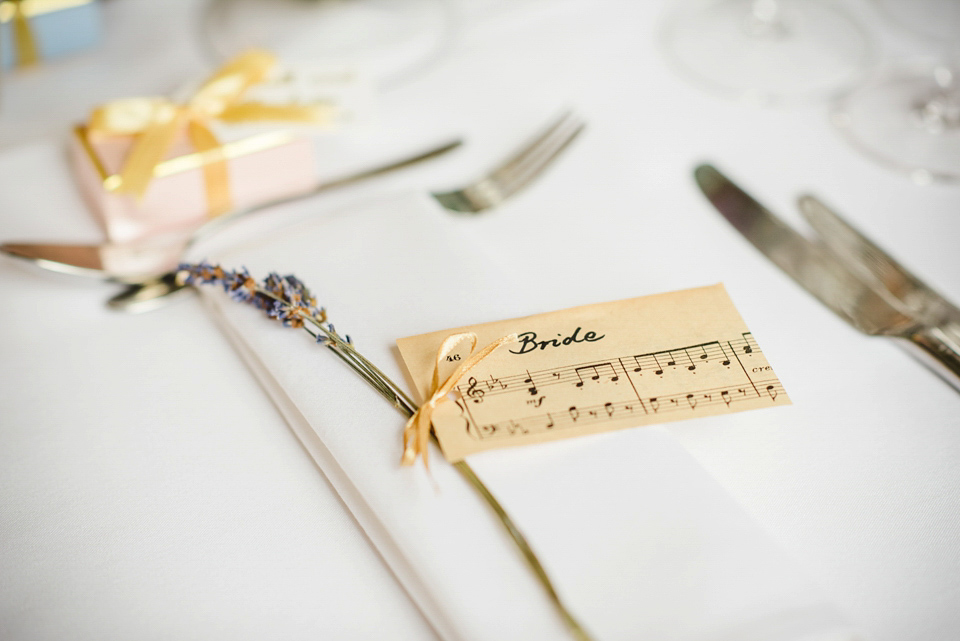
(939, 349)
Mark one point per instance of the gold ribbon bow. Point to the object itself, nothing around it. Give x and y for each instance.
(25, 42)
(418, 427)
(157, 121)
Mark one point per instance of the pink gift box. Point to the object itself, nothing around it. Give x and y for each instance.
(261, 168)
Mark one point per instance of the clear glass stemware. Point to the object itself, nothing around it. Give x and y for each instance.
(908, 119)
(766, 51)
(393, 41)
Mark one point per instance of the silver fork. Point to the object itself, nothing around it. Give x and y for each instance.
(517, 171)
(505, 180)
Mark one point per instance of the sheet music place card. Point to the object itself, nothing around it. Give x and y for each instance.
(595, 368)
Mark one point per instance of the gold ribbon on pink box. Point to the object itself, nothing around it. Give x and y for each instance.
(156, 122)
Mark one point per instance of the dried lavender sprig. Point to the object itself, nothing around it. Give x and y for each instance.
(400, 398)
(371, 379)
(338, 344)
(287, 299)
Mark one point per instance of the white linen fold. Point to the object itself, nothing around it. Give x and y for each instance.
(639, 540)
(148, 490)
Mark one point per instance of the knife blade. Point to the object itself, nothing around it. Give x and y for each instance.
(809, 264)
(143, 260)
(870, 309)
(116, 262)
(875, 266)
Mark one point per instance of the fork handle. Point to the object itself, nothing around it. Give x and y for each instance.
(939, 349)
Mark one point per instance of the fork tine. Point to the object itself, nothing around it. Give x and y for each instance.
(516, 171)
(530, 148)
(536, 163)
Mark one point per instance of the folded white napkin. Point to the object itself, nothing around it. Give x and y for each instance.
(138, 498)
(639, 540)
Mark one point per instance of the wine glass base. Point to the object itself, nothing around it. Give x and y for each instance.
(806, 50)
(390, 40)
(907, 122)
(935, 21)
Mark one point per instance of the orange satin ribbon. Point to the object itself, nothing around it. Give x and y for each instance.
(417, 430)
(156, 122)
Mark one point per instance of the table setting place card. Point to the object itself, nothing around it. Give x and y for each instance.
(592, 369)
(638, 540)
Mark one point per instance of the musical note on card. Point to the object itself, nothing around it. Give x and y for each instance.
(601, 367)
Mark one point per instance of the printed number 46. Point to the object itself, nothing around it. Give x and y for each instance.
(453, 357)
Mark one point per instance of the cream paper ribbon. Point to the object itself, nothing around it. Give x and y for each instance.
(417, 430)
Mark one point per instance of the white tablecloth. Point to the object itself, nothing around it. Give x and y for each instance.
(150, 490)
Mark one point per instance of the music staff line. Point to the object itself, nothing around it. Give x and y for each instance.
(680, 358)
(574, 415)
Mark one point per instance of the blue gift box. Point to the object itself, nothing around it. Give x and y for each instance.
(56, 28)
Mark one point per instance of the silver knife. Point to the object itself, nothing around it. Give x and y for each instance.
(878, 301)
(141, 261)
(875, 266)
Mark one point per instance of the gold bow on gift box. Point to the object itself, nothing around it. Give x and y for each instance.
(157, 122)
(19, 13)
(417, 430)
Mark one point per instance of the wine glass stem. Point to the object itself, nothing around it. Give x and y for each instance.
(765, 10)
(939, 112)
(765, 20)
